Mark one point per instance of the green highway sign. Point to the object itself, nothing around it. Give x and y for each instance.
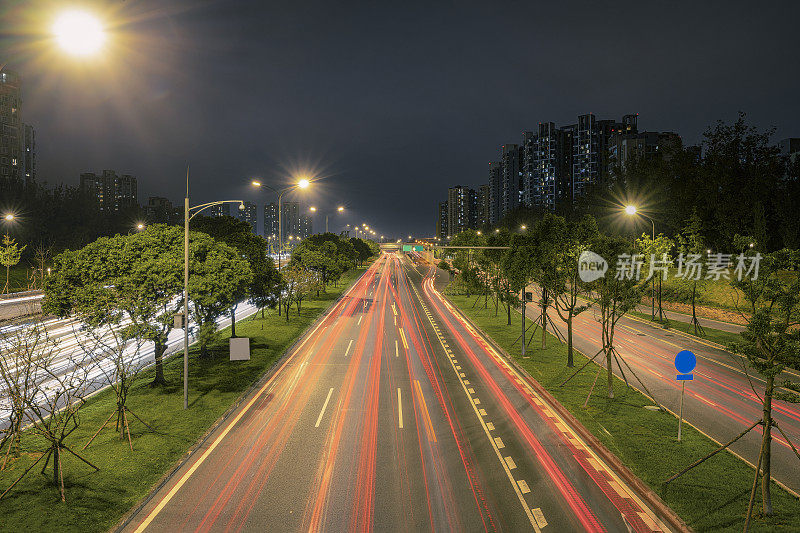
(406, 247)
(418, 248)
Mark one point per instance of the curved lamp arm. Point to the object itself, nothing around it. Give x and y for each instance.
(205, 206)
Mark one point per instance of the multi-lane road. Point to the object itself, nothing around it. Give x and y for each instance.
(394, 413)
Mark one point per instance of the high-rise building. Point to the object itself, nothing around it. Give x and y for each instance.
(461, 209)
(441, 221)
(12, 140)
(510, 178)
(306, 226)
(271, 220)
(160, 209)
(112, 192)
(495, 179)
(290, 220)
(250, 215)
(483, 207)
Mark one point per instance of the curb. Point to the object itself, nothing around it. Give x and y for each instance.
(126, 519)
(658, 505)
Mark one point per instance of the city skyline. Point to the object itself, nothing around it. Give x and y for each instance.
(436, 143)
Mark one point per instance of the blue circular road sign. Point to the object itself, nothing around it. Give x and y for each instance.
(685, 361)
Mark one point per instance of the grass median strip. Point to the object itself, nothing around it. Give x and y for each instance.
(712, 497)
(97, 501)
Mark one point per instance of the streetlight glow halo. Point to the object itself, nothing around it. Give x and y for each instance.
(78, 33)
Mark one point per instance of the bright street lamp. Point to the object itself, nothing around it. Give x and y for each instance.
(301, 184)
(9, 217)
(630, 209)
(78, 33)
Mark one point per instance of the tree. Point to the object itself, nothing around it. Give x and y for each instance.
(771, 340)
(363, 250)
(219, 276)
(559, 266)
(107, 348)
(658, 253)
(298, 281)
(134, 277)
(615, 293)
(691, 246)
(10, 254)
(263, 290)
(21, 345)
(60, 386)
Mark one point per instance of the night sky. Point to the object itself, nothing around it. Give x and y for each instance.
(390, 102)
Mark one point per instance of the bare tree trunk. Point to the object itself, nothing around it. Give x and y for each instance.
(570, 361)
(694, 309)
(766, 446)
(56, 464)
(158, 355)
(233, 321)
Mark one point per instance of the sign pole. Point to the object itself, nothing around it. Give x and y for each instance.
(685, 362)
(680, 416)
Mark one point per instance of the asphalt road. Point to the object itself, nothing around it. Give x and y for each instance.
(721, 401)
(393, 414)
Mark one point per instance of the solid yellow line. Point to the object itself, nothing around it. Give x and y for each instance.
(399, 409)
(403, 336)
(425, 415)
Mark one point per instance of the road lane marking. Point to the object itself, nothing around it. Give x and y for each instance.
(539, 516)
(349, 344)
(471, 391)
(487, 426)
(499, 442)
(510, 462)
(477, 401)
(359, 320)
(426, 417)
(396, 349)
(325, 405)
(523, 486)
(399, 409)
(403, 336)
(394, 310)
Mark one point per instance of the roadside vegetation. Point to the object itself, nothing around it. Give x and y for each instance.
(544, 264)
(106, 451)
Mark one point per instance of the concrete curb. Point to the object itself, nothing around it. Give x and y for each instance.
(664, 511)
(126, 519)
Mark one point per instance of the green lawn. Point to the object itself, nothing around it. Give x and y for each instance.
(712, 497)
(97, 500)
(710, 334)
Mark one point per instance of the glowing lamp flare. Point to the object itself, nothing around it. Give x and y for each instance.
(630, 209)
(303, 183)
(78, 32)
(9, 217)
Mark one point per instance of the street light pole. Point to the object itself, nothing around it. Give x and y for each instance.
(186, 218)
